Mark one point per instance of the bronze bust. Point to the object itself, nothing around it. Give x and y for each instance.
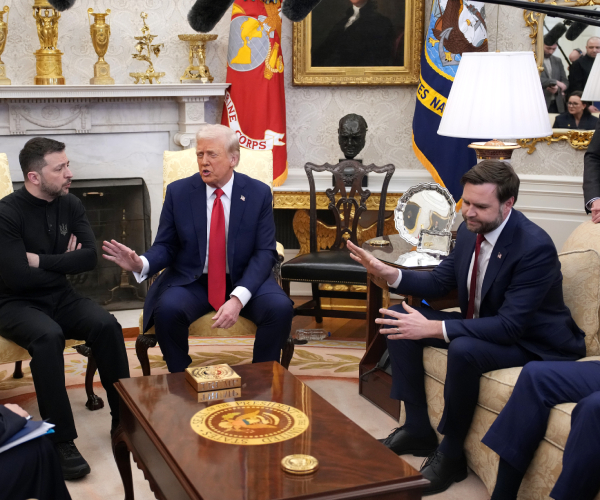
(352, 133)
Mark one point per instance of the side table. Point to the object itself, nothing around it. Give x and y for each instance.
(377, 385)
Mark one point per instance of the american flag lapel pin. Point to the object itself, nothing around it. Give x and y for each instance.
(243, 198)
(499, 255)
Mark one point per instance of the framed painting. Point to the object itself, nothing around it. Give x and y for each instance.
(359, 42)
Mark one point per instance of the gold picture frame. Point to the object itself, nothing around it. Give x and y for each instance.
(305, 74)
(577, 139)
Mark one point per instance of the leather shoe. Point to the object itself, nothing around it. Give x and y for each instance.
(442, 471)
(402, 442)
(73, 465)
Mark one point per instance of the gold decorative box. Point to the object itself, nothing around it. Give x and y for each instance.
(210, 396)
(212, 378)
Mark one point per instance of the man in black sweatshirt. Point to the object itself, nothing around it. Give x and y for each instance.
(45, 235)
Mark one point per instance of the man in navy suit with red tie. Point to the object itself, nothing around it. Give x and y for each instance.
(507, 274)
(216, 242)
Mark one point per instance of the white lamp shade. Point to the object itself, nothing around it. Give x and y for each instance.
(496, 95)
(591, 92)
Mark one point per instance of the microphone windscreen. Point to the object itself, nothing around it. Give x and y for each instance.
(575, 30)
(205, 14)
(61, 4)
(554, 34)
(296, 10)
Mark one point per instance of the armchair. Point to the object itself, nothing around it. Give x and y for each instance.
(181, 164)
(347, 201)
(12, 353)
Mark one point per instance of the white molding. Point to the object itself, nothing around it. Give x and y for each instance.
(111, 91)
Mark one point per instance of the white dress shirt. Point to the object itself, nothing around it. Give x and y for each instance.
(242, 293)
(354, 16)
(485, 252)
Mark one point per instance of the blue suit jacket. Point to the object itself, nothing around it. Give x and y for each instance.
(180, 244)
(521, 297)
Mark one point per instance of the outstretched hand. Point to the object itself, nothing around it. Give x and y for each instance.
(123, 256)
(410, 326)
(373, 265)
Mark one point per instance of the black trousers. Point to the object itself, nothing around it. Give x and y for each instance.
(41, 326)
(468, 359)
(32, 470)
(179, 306)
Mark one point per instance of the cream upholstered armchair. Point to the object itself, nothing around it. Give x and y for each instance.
(12, 353)
(181, 164)
(580, 264)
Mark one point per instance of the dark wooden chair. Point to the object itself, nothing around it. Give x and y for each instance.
(347, 202)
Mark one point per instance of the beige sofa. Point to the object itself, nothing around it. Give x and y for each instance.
(580, 260)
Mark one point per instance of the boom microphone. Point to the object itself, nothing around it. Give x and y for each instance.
(552, 37)
(575, 30)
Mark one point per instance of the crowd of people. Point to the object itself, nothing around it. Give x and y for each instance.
(563, 91)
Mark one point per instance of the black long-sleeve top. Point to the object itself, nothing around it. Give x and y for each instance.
(30, 224)
(10, 423)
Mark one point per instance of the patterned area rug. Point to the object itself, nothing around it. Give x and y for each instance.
(323, 359)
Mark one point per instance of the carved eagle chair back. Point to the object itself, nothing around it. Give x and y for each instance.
(12, 353)
(178, 165)
(334, 268)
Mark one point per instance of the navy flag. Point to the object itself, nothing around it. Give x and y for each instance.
(455, 26)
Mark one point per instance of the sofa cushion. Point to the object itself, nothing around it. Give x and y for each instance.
(202, 328)
(11, 352)
(581, 291)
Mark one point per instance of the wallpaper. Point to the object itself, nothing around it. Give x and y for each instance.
(312, 112)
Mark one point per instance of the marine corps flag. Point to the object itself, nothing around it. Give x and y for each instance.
(456, 26)
(255, 103)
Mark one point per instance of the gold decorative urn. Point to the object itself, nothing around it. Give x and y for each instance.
(197, 72)
(48, 62)
(100, 32)
(3, 33)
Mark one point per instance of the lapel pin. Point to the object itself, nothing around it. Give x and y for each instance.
(243, 198)
(499, 255)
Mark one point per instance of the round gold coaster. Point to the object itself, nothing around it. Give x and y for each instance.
(379, 243)
(249, 422)
(299, 464)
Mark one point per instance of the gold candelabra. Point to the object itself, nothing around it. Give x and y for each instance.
(48, 62)
(145, 45)
(100, 32)
(3, 33)
(197, 72)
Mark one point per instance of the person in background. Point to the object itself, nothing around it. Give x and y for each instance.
(578, 114)
(554, 79)
(591, 176)
(31, 469)
(580, 69)
(574, 55)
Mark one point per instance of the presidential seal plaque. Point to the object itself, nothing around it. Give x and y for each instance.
(212, 378)
(249, 422)
(299, 464)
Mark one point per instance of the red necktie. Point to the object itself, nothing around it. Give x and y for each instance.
(473, 287)
(217, 254)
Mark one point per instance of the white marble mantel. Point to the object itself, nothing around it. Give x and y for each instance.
(178, 109)
(110, 131)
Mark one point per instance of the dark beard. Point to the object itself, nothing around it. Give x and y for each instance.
(51, 191)
(488, 227)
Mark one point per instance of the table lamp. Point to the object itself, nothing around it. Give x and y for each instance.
(591, 92)
(498, 96)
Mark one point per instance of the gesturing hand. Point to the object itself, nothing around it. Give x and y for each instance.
(410, 326)
(371, 264)
(228, 313)
(123, 256)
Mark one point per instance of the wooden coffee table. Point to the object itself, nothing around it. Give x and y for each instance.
(179, 464)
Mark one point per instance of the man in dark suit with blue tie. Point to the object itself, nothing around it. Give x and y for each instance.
(511, 312)
(216, 242)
